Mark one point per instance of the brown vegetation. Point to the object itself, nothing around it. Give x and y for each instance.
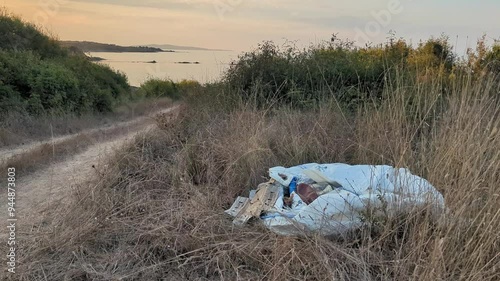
(32, 157)
(156, 213)
(20, 129)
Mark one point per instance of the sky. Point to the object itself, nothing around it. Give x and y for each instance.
(242, 24)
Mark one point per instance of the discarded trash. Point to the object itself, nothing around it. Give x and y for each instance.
(329, 198)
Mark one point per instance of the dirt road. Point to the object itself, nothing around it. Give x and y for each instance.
(52, 182)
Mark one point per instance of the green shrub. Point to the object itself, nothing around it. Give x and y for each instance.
(155, 88)
(301, 78)
(55, 86)
(352, 75)
(18, 35)
(39, 76)
(103, 101)
(34, 105)
(9, 99)
(188, 87)
(492, 59)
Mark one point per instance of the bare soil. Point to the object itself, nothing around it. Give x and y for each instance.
(39, 189)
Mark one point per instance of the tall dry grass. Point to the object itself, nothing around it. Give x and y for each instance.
(21, 128)
(156, 213)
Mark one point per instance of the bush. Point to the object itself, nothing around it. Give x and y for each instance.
(350, 74)
(19, 35)
(155, 88)
(103, 101)
(10, 99)
(39, 76)
(187, 87)
(56, 87)
(492, 59)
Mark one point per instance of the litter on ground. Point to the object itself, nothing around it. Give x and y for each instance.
(331, 198)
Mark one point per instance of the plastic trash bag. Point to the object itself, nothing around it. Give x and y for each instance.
(342, 193)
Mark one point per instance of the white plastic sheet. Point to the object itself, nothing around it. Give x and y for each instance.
(361, 187)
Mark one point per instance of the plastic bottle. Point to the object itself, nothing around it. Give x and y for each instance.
(293, 185)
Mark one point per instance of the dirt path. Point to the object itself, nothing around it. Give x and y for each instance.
(11, 152)
(50, 183)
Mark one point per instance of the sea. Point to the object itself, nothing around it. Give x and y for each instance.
(200, 65)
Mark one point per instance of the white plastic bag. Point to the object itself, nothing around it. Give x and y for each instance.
(357, 188)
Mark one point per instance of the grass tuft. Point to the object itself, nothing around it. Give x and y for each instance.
(156, 211)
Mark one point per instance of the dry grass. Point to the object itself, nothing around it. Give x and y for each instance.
(18, 129)
(157, 211)
(49, 152)
(56, 150)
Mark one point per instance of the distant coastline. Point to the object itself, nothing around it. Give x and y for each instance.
(87, 46)
(184, 48)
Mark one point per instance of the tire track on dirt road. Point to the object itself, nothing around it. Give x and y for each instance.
(39, 189)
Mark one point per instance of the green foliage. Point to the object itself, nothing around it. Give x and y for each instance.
(103, 101)
(155, 88)
(34, 105)
(300, 78)
(492, 59)
(10, 98)
(353, 75)
(434, 53)
(39, 76)
(55, 86)
(17, 35)
(188, 87)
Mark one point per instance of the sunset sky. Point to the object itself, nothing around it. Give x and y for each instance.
(242, 24)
